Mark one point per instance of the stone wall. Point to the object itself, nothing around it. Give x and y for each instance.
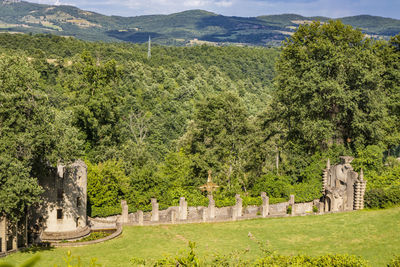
(185, 214)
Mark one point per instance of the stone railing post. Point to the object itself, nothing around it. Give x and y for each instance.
(15, 237)
(140, 217)
(211, 207)
(265, 205)
(292, 204)
(3, 234)
(125, 212)
(239, 205)
(173, 216)
(205, 215)
(183, 209)
(154, 212)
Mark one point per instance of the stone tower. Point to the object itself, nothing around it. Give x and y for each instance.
(63, 212)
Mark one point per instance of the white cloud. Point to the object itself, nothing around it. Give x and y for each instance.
(329, 8)
(224, 3)
(195, 3)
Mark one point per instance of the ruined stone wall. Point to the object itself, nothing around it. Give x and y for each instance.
(185, 214)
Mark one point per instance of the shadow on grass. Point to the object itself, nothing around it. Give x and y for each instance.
(37, 248)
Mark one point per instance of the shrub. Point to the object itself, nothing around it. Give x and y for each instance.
(382, 197)
(395, 262)
(302, 260)
(105, 211)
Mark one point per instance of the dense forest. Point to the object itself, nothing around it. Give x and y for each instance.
(262, 119)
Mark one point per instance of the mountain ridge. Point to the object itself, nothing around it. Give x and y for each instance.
(182, 28)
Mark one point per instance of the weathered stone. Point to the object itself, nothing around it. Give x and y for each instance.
(205, 214)
(211, 207)
(173, 216)
(125, 212)
(343, 189)
(292, 205)
(154, 212)
(15, 237)
(183, 209)
(3, 234)
(65, 199)
(140, 217)
(265, 205)
(239, 205)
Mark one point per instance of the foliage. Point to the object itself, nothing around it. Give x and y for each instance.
(382, 197)
(94, 236)
(323, 76)
(300, 260)
(107, 183)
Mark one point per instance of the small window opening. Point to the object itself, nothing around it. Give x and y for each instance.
(59, 214)
(78, 202)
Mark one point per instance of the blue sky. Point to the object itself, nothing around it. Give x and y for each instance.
(244, 8)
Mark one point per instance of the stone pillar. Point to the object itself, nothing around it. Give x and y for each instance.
(173, 216)
(239, 205)
(154, 212)
(265, 205)
(183, 209)
(234, 212)
(211, 207)
(15, 237)
(292, 204)
(321, 208)
(140, 217)
(205, 214)
(3, 234)
(359, 191)
(125, 212)
(325, 176)
(26, 231)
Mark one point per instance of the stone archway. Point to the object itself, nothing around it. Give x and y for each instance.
(328, 204)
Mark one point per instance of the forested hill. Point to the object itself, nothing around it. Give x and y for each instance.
(185, 28)
(262, 119)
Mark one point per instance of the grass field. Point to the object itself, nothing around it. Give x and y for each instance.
(372, 234)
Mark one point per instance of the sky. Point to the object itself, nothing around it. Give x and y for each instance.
(242, 8)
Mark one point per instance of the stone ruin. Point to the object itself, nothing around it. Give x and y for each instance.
(62, 215)
(343, 189)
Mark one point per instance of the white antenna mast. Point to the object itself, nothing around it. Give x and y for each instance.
(149, 49)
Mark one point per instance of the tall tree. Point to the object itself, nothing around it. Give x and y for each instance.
(329, 88)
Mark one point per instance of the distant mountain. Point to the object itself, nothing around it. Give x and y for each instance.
(189, 27)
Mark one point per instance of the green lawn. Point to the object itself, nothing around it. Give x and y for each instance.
(373, 234)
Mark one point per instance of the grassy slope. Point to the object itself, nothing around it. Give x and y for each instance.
(374, 235)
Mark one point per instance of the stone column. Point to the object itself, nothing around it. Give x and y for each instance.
(173, 216)
(154, 212)
(239, 205)
(140, 217)
(359, 191)
(125, 212)
(292, 204)
(211, 207)
(183, 209)
(15, 237)
(205, 214)
(3, 234)
(234, 212)
(265, 205)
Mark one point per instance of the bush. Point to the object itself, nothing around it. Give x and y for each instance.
(395, 262)
(105, 211)
(382, 197)
(301, 260)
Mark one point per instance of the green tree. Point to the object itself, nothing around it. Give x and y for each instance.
(330, 88)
